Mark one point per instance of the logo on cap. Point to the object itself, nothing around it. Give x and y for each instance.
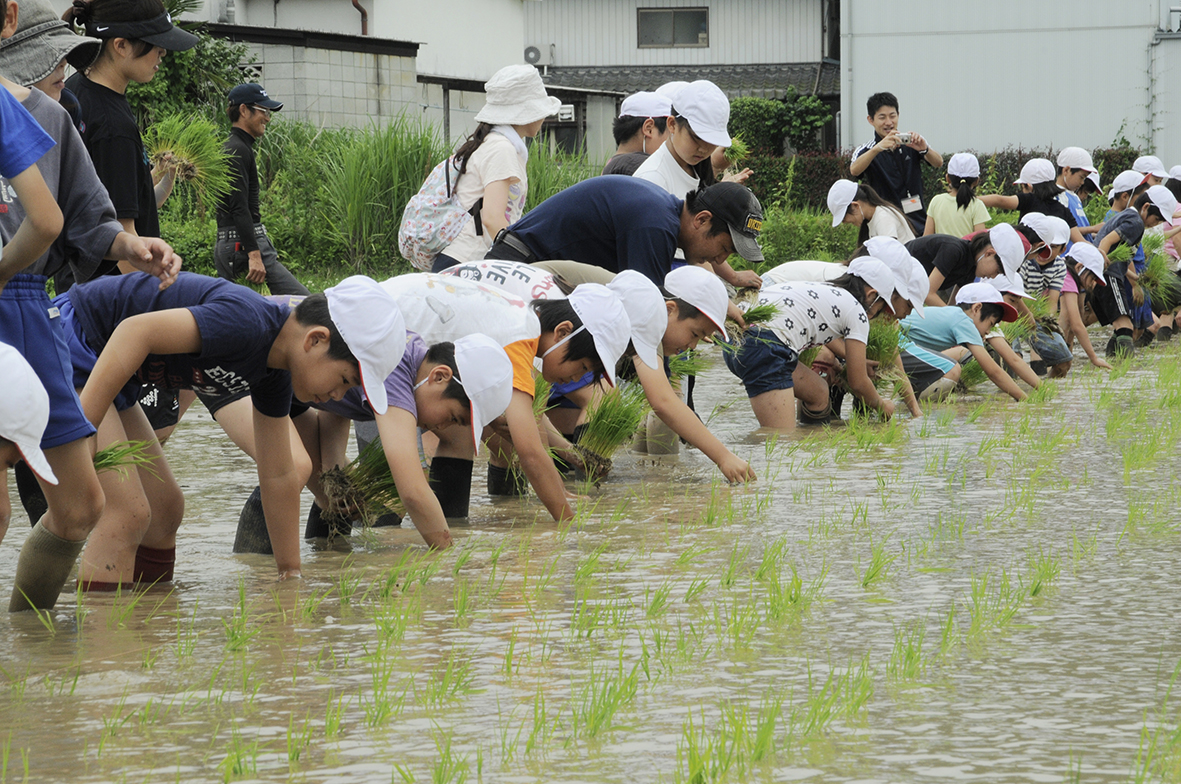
(754, 223)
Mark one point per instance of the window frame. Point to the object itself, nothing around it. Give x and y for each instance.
(673, 12)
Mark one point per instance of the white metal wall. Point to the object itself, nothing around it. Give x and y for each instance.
(604, 32)
(1035, 74)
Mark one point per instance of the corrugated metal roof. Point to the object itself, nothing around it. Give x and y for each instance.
(770, 80)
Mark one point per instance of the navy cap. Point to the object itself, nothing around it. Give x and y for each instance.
(254, 95)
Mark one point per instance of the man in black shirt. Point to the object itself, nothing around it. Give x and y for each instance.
(891, 163)
(242, 243)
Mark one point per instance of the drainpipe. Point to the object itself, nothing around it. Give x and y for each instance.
(364, 17)
(1151, 105)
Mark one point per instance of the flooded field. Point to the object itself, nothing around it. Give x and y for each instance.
(989, 593)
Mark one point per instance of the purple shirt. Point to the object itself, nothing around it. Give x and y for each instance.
(399, 387)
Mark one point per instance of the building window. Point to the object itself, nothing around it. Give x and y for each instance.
(666, 27)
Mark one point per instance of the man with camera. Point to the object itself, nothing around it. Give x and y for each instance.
(891, 163)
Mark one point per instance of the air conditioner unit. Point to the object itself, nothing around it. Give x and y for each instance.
(533, 56)
(566, 112)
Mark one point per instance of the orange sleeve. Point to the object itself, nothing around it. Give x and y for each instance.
(522, 353)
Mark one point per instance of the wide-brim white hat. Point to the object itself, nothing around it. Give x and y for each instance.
(515, 95)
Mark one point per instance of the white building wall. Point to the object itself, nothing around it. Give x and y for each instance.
(984, 76)
(605, 32)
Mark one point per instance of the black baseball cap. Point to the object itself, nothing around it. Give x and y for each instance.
(742, 212)
(253, 94)
(157, 31)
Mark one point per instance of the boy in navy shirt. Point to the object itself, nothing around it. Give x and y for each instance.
(217, 338)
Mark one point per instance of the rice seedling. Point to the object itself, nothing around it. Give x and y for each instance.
(192, 145)
(449, 680)
(241, 759)
(906, 662)
(449, 768)
(752, 314)
(701, 756)
(611, 421)
(878, 567)
(334, 716)
(238, 635)
(1158, 756)
(687, 363)
(122, 456)
(593, 710)
(1159, 282)
(656, 602)
(364, 488)
(738, 151)
(298, 740)
(1042, 569)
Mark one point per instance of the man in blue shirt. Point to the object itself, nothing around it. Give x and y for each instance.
(621, 223)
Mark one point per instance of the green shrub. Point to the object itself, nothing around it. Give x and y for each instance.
(791, 235)
(804, 116)
(762, 123)
(551, 172)
(192, 237)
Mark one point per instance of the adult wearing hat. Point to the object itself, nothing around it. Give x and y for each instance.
(132, 49)
(37, 53)
(243, 247)
(489, 175)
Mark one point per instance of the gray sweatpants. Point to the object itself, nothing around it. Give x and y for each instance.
(233, 264)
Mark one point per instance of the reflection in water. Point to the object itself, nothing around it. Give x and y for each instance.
(985, 593)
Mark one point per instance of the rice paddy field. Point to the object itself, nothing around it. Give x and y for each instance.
(988, 593)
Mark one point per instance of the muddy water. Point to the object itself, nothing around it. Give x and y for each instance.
(652, 638)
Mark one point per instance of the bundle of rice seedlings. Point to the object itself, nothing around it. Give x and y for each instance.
(687, 363)
(971, 375)
(541, 395)
(193, 144)
(611, 421)
(364, 487)
(738, 151)
(122, 456)
(755, 314)
(1024, 327)
(1157, 279)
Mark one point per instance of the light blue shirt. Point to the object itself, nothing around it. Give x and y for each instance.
(943, 328)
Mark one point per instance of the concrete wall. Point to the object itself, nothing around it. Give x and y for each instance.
(605, 32)
(987, 75)
(464, 106)
(600, 114)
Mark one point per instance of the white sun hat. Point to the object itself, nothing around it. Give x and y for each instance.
(902, 265)
(373, 328)
(486, 375)
(1164, 200)
(670, 89)
(875, 273)
(983, 291)
(707, 110)
(25, 412)
(963, 164)
(646, 104)
(1127, 180)
(1089, 256)
(603, 315)
(1036, 170)
(515, 95)
(702, 289)
(1076, 158)
(645, 310)
(840, 196)
(1150, 164)
(1008, 246)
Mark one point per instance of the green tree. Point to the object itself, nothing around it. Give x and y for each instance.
(760, 122)
(804, 116)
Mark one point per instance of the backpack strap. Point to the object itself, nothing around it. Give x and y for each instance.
(475, 210)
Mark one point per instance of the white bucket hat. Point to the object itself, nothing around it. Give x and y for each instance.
(1036, 170)
(877, 275)
(645, 310)
(1008, 246)
(515, 95)
(25, 412)
(486, 375)
(963, 164)
(840, 196)
(702, 289)
(603, 315)
(1164, 200)
(707, 110)
(372, 326)
(903, 266)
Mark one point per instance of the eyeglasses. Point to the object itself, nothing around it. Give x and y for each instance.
(265, 112)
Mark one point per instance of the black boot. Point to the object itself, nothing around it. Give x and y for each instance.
(320, 527)
(252, 534)
(506, 481)
(451, 480)
(32, 497)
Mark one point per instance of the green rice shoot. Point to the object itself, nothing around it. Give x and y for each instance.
(755, 314)
(971, 375)
(613, 419)
(541, 394)
(365, 487)
(738, 151)
(1024, 327)
(1157, 279)
(122, 456)
(195, 144)
(687, 363)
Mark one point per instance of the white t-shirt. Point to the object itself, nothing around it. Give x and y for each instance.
(494, 160)
(445, 308)
(813, 271)
(887, 223)
(812, 314)
(661, 168)
(520, 280)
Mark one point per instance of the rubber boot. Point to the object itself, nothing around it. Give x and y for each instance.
(1124, 345)
(507, 481)
(32, 497)
(387, 520)
(451, 480)
(320, 527)
(807, 417)
(836, 399)
(155, 565)
(1038, 366)
(1145, 339)
(1164, 334)
(252, 536)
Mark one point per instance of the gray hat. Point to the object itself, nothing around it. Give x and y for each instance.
(41, 41)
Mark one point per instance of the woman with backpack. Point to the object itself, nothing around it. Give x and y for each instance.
(486, 175)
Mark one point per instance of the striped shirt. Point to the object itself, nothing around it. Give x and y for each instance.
(1038, 279)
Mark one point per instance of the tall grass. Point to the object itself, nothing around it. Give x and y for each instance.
(552, 171)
